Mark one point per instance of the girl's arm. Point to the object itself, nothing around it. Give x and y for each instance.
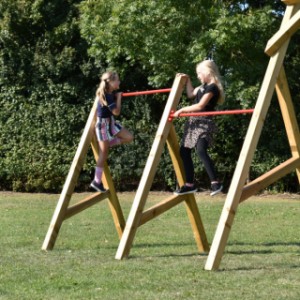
(195, 107)
(190, 91)
(117, 110)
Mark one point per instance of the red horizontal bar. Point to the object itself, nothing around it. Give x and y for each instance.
(213, 113)
(146, 92)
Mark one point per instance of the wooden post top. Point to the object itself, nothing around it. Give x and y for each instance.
(291, 2)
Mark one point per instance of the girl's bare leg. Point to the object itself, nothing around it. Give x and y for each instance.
(103, 154)
(125, 136)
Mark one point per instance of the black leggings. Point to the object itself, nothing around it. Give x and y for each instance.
(186, 155)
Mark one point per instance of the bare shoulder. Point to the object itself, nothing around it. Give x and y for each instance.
(196, 89)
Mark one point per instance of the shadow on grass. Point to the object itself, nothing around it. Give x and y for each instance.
(273, 244)
(168, 255)
(260, 267)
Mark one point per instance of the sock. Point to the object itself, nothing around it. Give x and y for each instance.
(98, 174)
(114, 142)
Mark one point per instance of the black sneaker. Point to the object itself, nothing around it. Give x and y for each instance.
(98, 186)
(216, 188)
(186, 190)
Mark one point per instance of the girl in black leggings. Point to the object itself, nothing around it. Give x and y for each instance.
(199, 131)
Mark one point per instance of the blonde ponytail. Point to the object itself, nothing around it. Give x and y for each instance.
(104, 85)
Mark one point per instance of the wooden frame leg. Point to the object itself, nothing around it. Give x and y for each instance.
(249, 147)
(190, 202)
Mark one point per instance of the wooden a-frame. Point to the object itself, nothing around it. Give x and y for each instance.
(137, 216)
(63, 211)
(275, 78)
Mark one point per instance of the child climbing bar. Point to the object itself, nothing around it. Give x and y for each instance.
(109, 132)
(199, 131)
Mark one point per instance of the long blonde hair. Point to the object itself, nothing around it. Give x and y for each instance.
(208, 67)
(104, 85)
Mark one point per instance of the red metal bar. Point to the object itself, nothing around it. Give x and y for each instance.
(213, 113)
(146, 92)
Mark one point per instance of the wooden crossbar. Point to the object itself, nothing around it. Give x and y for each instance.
(85, 203)
(284, 33)
(160, 208)
(238, 192)
(291, 2)
(63, 211)
(270, 177)
(137, 217)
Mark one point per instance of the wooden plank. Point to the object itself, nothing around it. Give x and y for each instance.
(173, 147)
(71, 181)
(291, 2)
(270, 177)
(114, 203)
(84, 204)
(289, 115)
(159, 208)
(190, 203)
(283, 34)
(247, 152)
(196, 223)
(150, 170)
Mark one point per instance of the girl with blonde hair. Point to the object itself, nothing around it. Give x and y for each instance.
(109, 132)
(199, 131)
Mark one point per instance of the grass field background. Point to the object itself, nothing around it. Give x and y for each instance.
(261, 259)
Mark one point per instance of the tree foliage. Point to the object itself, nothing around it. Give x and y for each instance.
(53, 52)
(44, 81)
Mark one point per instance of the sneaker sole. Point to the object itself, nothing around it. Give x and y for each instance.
(217, 191)
(97, 189)
(189, 192)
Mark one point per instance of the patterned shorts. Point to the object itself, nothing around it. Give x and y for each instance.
(107, 128)
(196, 128)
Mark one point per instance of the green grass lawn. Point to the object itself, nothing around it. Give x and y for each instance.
(261, 259)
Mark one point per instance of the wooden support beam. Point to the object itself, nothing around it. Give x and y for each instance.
(289, 115)
(196, 223)
(270, 177)
(84, 204)
(291, 2)
(162, 133)
(190, 202)
(173, 147)
(283, 34)
(160, 208)
(69, 186)
(114, 203)
(247, 152)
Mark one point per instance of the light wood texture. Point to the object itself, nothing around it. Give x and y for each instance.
(291, 2)
(84, 204)
(173, 147)
(114, 203)
(196, 223)
(283, 34)
(292, 129)
(63, 211)
(71, 181)
(165, 133)
(190, 201)
(247, 152)
(270, 177)
(135, 214)
(160, 208)
(289, 115)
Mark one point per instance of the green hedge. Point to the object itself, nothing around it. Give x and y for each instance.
(51, 57)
